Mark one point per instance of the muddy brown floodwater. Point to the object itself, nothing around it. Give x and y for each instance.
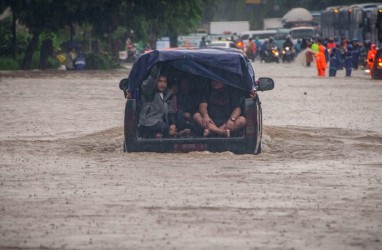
(66, 184)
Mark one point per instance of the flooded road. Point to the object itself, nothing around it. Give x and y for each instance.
(66, 184)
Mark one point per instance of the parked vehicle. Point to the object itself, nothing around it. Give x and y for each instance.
(223, 44)
(302, 32)
(229, 66)
(359, 22)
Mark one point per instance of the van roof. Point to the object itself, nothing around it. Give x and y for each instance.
(302, 28)
(254, 32)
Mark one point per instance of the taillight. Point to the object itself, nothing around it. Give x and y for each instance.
(379, 62)
(240, 44)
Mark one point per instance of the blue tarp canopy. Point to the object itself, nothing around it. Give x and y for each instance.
(229, 66)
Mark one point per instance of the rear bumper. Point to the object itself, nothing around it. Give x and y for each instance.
(249, 143)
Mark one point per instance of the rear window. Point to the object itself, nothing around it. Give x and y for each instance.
(299, 34)
(245, 37)
(261, 36)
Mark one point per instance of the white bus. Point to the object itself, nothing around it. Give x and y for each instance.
(260, 34)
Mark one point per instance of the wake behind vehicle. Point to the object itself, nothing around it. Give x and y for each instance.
(229, 66)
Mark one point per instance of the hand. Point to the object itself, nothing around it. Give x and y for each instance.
(172, 130)
(253, 93)
(229, 124)
(206, 121)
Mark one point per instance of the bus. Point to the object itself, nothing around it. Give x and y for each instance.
(357, 22)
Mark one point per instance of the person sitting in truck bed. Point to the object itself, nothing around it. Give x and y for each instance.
(153, 118)
(219, 111)
(181, 108)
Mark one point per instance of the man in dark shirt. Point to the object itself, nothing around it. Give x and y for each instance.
(219, 111)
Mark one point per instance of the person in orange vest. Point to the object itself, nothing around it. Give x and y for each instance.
(370, 57)
(321, 60)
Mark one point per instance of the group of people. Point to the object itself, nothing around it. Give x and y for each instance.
(170, 109)
(339, 55)
(263, 50)
(72, 59)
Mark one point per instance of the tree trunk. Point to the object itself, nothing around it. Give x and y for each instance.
(14, 39)
(173, 41)
(114, 47)
(45, 52)
(153, 40)
(27, 63)
(72, 31)
(173, 38)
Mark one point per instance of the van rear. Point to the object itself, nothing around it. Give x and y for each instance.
(302, 32)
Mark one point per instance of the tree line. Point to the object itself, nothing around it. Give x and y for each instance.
(144, 20)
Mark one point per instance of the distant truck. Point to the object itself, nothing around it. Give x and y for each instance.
(228, 27)
(272, 23)
(303, 32)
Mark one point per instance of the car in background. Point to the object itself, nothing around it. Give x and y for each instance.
(219, 37)
(223, 44)
(189, 41)
(200, 66)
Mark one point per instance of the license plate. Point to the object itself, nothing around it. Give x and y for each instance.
(188, 147)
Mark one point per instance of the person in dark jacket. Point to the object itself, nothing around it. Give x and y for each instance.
(333, 62)
(153, 118)
(349, 60)
(181, 108)
(339, 56)
(356, 54)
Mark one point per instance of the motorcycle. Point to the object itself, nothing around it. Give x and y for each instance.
(288, 54)
(270, 55)
(250, 54)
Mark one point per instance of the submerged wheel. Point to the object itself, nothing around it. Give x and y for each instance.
(253, 131)
(130, 127)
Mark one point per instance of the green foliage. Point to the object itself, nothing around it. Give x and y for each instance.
(104, 62)
(35, 60)
(6, 39)
(8, 63)
(111, 22)
(53, 63)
